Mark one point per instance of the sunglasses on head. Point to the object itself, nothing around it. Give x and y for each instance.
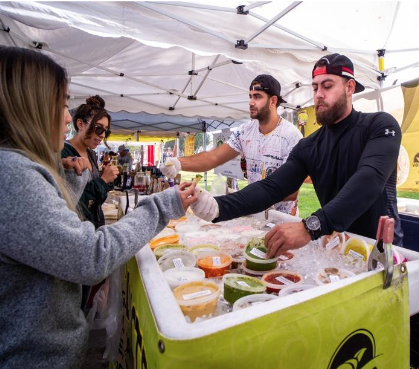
(99, 130)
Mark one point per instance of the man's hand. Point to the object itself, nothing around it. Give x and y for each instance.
(109, 173)
(187, 193)
(284, 237)
(206, 207)
(171, 167)
(79, 164)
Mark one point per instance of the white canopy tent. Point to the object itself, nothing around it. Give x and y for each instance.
(196, 60)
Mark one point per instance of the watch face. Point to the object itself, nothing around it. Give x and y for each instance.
(313, 223)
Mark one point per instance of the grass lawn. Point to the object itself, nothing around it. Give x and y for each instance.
(307, 199)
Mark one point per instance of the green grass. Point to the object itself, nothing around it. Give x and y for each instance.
(307, 199)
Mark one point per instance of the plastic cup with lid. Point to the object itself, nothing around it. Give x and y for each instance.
(197, 299)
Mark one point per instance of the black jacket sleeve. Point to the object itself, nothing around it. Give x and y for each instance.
(260, 195)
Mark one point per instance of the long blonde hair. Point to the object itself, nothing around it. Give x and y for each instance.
(33, 90)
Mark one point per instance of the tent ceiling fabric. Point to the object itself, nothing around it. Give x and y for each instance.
(179, 60)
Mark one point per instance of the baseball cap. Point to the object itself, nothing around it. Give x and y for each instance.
(121, 148)
(339, 65)
(268, 84)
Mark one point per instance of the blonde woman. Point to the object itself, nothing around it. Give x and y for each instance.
(46, 251)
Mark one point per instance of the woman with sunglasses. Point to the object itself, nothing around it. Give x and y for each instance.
(46, 251)
(92, 124)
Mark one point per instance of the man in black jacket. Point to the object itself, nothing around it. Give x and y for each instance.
(351, 159)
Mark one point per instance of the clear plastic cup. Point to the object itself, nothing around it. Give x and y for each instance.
(214, 263)
(159, 251)
(279, 279)
(177, 259)
(251, 300)
(178, 276)
(239, 285)
(197, 299)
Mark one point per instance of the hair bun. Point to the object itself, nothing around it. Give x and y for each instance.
(96, 101)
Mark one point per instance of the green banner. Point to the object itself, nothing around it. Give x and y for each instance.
(358, 326)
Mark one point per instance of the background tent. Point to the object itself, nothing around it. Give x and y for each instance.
(198, 59)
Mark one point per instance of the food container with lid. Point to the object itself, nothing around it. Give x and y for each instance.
(278, 279)
(177, 259)
(357, 248)
(203, 247)
(214, 263)
(177, 276)
(157, 241)
(235, 249)
(255, 255)
(289, 290)
(197, 299)
(239, 285)
(252, 300)
(184, 227)
(162, 249)
(331, 275)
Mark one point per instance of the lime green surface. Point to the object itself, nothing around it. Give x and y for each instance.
(310, 335)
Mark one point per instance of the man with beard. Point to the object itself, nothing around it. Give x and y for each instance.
(351, 159)
(265, 142)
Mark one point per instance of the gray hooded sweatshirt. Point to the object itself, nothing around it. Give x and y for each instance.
(46, 253)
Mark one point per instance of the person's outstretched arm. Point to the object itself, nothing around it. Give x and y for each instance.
(201, 162)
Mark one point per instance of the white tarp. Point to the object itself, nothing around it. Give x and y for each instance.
(180, 59)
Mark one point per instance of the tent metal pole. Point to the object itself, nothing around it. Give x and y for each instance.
(273, 20)
(187, 22)
(295, 34)
(199, 6)
(204, 143)
(206, 75)
(255, 5)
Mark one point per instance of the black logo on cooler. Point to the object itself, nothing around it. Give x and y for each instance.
(356, 351)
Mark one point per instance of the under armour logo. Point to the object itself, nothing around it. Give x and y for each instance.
(388, 132)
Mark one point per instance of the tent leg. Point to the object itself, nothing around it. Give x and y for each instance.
(204, 142)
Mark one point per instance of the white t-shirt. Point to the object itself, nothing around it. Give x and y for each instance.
(266, 153)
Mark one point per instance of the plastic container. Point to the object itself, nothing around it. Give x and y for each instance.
(173, 222)
(197, 237)
(335, 241)
(177, 259)
(357, 248)
(289, 290)
(285, 257)
(166, 232)
(204, 247)
(207, 227)
(278, 279)
(255, 255)
(239, 285)
(178, 276)
(164, 240)
(197, 299)
(214, 263)
(184, 227)
(251, 300)
(253, 273)
(162, 249)
(235, 249)
(332, 275)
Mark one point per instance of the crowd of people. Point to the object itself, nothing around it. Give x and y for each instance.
(54, 238)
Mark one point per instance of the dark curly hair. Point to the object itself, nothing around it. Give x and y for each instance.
(91, 112)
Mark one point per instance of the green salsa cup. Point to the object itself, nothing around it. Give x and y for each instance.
(239, 285)
(254, 261)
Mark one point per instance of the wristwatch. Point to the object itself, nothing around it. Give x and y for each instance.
(313, 226)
